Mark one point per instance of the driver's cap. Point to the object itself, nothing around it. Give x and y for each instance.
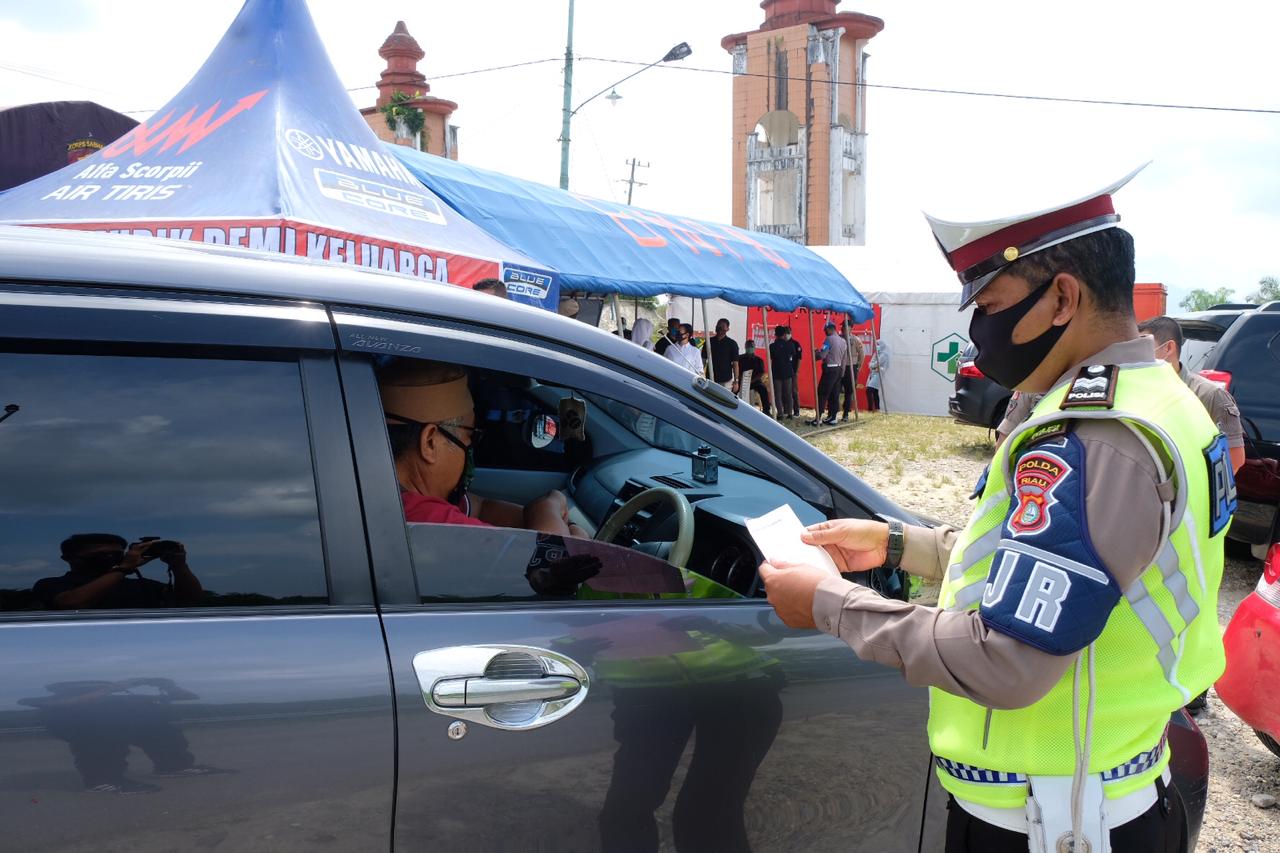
(979, 251)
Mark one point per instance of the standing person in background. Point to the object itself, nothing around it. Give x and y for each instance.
(759, 379)
(1216, 399)
(492, 287)
(683, 352)
(723, 354)
(849, 377)
(795, 386)
(879, 364)
(832, 355)
(672, 335)
(783, 359)
(642, 332)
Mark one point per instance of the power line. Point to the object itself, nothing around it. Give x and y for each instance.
(965, 92)
(435, 77)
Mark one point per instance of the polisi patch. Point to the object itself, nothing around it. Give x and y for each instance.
(1094, 386)
(1037, 475)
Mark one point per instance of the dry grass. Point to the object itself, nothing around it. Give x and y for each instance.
(926, 464)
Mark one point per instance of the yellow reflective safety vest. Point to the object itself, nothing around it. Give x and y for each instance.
(1160, 645)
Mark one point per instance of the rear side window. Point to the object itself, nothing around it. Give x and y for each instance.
(144, 482)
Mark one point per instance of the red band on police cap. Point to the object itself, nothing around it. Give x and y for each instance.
(1021, 233)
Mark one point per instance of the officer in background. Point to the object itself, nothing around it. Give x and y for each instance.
(1216, 399)
(1076, 612)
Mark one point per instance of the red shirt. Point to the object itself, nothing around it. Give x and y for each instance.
(429, 510)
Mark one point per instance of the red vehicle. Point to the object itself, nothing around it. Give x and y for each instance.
(1253, 656)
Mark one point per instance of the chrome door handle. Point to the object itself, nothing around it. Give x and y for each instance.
(501, 686)
(477, 692)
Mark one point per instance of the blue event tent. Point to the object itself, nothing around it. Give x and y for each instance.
(604, 247)
(263, 148)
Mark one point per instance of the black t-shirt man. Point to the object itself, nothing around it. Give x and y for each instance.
(724, 351)
(131, 592)
(783, 355)
(754, 363)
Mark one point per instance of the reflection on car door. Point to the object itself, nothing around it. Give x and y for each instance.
(252, 711)
(706, 724)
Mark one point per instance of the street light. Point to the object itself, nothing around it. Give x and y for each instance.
(680, 51)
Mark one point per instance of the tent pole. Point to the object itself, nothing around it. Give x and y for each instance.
(813, 369)
(617, 313)
(768, 368)
(854, 367)
(711, 361)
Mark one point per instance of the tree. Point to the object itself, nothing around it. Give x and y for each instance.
(1201, 299)
(404, 120)
(1268, 290)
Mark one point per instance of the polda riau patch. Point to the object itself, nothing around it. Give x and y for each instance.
(1037, 476)
(1094, 387)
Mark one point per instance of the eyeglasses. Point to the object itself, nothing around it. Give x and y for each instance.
(477, 433)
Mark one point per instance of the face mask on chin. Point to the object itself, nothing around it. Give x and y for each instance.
(998, 356)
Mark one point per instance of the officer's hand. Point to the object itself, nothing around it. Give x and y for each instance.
(790, 588)
(856, 544)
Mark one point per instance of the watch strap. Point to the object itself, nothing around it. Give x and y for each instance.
(897, 544)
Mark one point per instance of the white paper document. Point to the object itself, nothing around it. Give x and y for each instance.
(777, 535)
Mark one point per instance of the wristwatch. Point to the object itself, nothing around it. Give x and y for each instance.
(897, 542)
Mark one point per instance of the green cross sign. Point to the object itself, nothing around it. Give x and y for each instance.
(946, 356)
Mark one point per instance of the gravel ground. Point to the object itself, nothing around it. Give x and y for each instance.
(929, 466)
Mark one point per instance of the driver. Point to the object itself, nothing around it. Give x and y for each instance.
(431, 422)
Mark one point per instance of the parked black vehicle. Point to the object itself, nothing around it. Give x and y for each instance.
(978, 401)
(1239, 346)
(279, 661)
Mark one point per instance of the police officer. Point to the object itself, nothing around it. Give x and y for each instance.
(1216, 399)
(1078, 606)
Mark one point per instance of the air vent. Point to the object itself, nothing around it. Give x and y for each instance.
(673, 482)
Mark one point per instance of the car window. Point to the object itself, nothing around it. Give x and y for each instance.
(149, 482)
(525, 532)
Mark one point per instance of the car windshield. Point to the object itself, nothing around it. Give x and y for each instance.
(658, 433)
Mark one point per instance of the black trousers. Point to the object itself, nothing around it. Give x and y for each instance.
(763, 390)
(784, 390)
(848, 389)
(1160, 829)
(828, 392)
(873, 399)
(732, 726)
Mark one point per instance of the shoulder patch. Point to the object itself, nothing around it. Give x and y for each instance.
(1094, 386)
(1222, 484)
(1038, 474)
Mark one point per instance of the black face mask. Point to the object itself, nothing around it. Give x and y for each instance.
(998, 356)
(464, 480)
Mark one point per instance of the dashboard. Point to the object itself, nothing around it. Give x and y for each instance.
(722, 548)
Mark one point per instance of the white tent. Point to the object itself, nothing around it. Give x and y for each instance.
(919, 322)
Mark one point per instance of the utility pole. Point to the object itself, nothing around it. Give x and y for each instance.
(631, 182)
(568, 104)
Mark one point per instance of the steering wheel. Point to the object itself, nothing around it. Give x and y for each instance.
(683, 544)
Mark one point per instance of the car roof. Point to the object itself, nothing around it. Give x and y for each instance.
(96, 258)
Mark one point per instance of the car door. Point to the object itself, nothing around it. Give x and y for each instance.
(232, 691)
(627, 721)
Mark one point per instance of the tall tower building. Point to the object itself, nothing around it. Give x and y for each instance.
(799, 122)
(401, 76)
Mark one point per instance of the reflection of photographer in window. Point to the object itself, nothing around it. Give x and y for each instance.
(105, 573)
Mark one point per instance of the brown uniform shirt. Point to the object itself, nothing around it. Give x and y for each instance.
(1019, 409)
(954, 650)
(1221, 405)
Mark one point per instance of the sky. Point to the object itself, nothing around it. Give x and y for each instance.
(1205, 213)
